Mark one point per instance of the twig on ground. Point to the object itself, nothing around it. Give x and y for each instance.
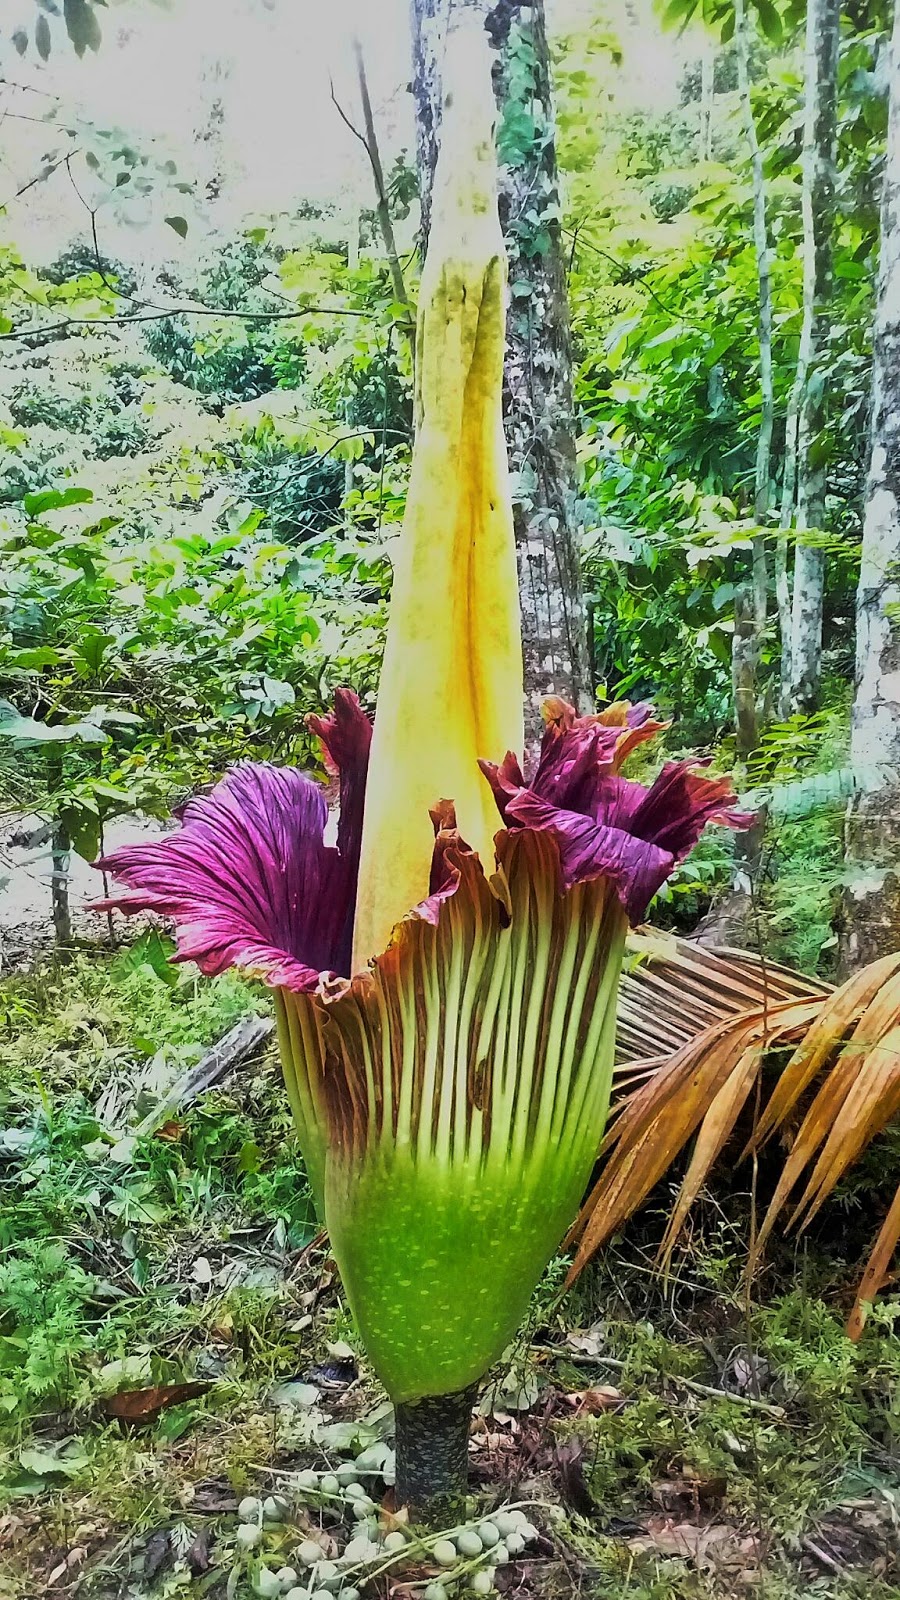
(579, 1359)
(241, 1041)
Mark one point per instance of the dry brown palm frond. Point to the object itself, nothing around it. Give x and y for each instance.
(673, 988)
(845, 1054)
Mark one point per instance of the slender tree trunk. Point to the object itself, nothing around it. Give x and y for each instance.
(823, 19)
(744, 663)
(60, 852)
(871, 908)
(761, 485)
(707, 95)
(538, 403)
(369, 139)
(785, 523)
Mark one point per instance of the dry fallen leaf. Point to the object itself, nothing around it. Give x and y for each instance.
(73, 1560)
(142, 1405)
(591, 1402)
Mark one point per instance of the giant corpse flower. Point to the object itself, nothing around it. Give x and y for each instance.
(445, 975)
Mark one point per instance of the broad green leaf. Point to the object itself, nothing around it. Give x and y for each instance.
(92, 647)
(81, 25)
(82, 823)
(42, 37)
(65, 1456)
(769, 20)
(52, 499)
(26, 730)
(152, 953)
(33, 660)
(178, 225)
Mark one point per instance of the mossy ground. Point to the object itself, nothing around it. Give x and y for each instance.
(700, 1444)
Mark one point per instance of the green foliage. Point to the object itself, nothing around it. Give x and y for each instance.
(87, 1050)
(664, 297)
(43, 1327)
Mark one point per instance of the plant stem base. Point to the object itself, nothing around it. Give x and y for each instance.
(433, 1456)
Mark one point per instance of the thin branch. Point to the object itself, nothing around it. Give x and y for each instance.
(37, 329)
(369, 142)
(92, 213)
(346, 120)
(41, 177)
(27, 88)
(631, 277)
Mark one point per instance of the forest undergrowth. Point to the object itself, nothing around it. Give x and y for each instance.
(173, 1339)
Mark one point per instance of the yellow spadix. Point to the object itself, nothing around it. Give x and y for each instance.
(451, 685)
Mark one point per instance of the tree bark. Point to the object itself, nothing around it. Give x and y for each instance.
(870, 916)
(823, 19)
(707, 96)
(538, 403)
(744, 663)
(60, 852)
(764, 280)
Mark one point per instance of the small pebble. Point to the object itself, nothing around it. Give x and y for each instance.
(297, 1594)
(350, 1594)
(287, 1577)
(489, 1534)
(347, 1473)
(518, 1519)
(355, 1491)
(395, 1541)
(328, 1483)
(468, 1543)
(436, 1591)
(504, 1524)
(309, 1553)
(275, 1507)
(515, 1544)
(267, 1584)
(248, 1535)
(249, 1509)
(362, 1508)
(445, 1553)
(308, 1479)
(528, 1531)
(500, 1554)
(482, 1582)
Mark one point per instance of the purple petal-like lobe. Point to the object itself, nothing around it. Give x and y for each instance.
(346, 737)
(248, 878)
(605, 825)
(588, 849)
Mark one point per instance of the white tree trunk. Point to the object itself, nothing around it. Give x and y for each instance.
(871, 912)
(538, 404)
(707, 96)
(823, 19)
(764, 280)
